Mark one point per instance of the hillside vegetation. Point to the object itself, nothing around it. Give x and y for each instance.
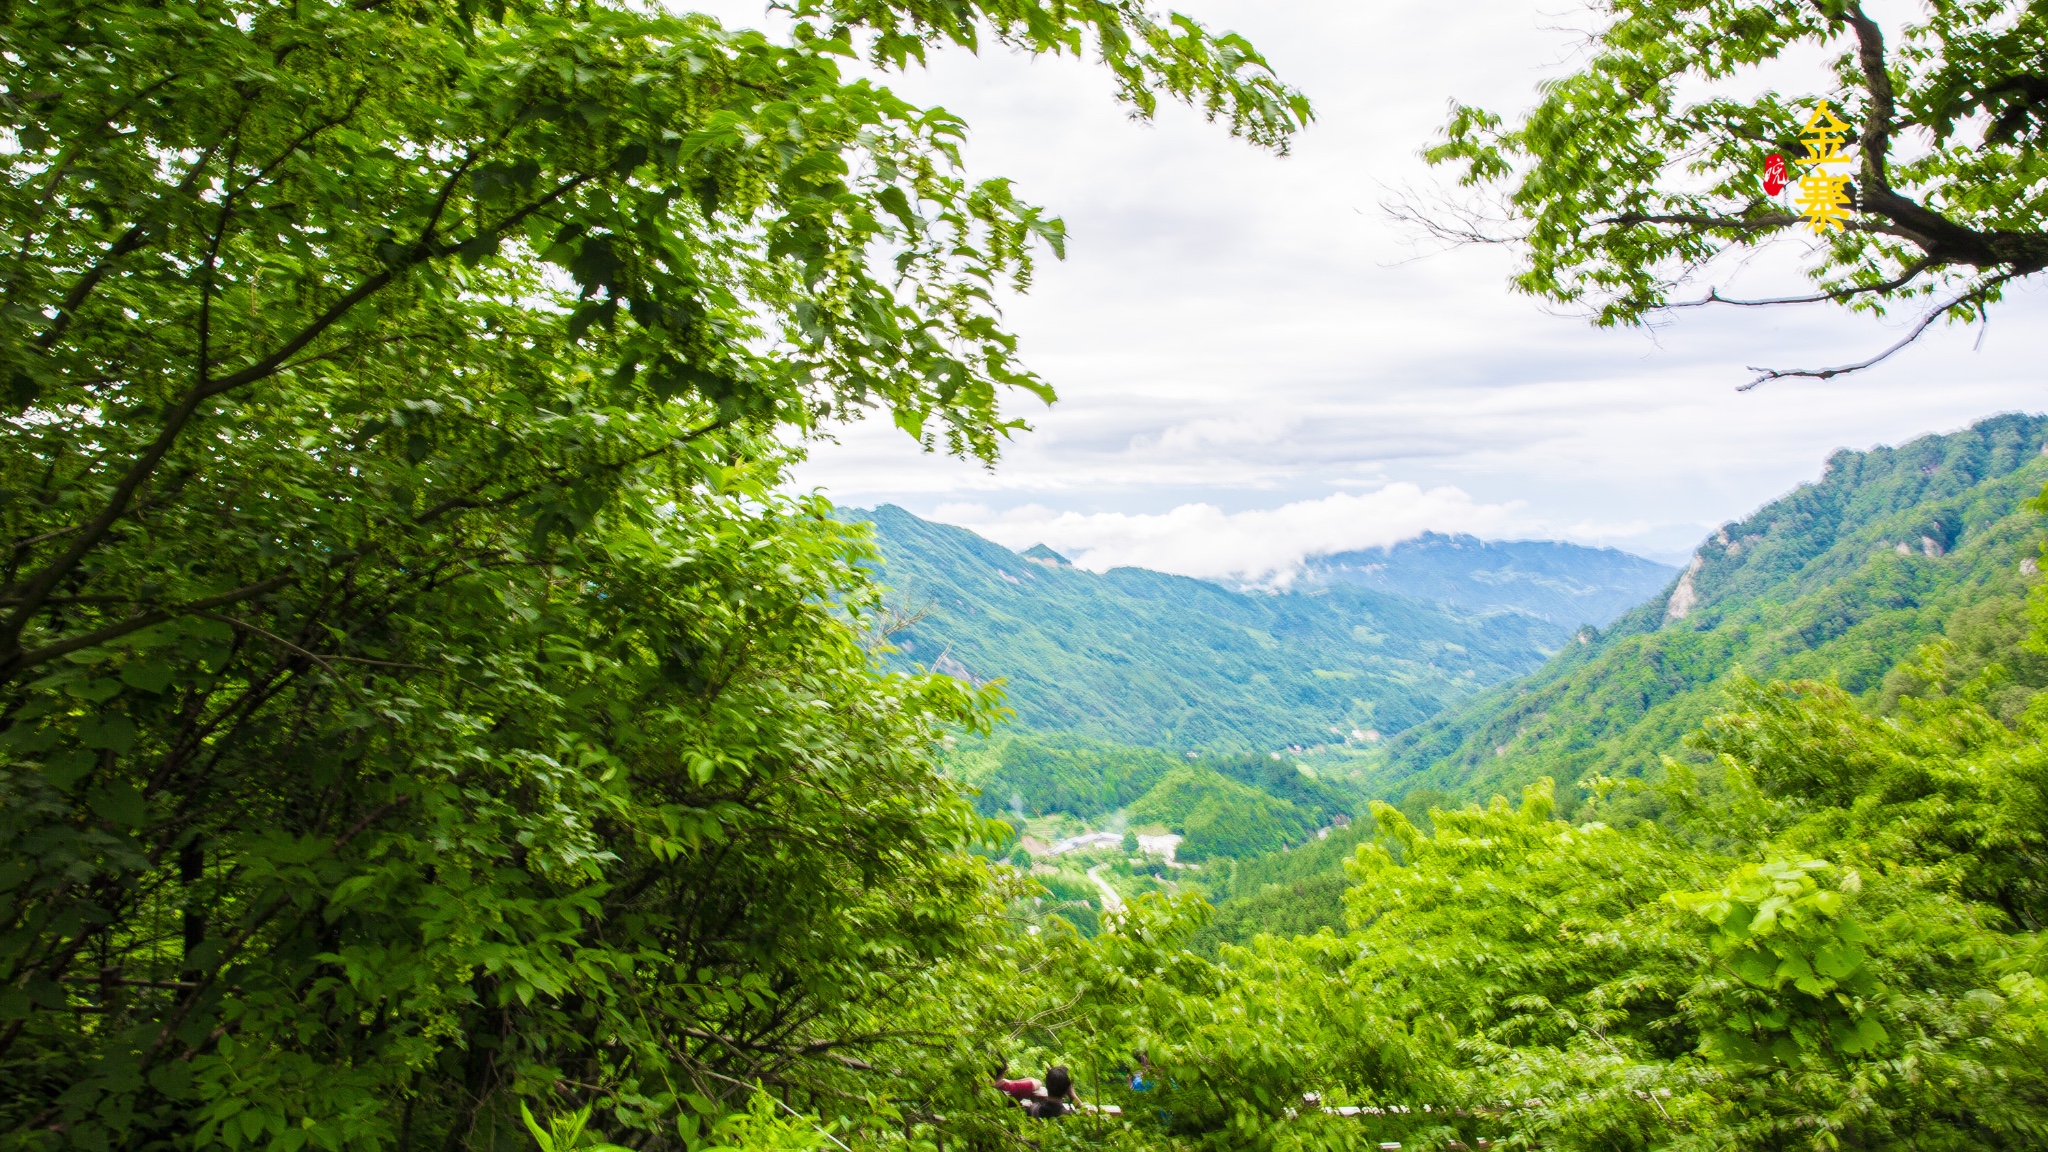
(1145, 658)
(1840, 579)
(1217, 816)
(1024, 774)
(1225, 806)
(1292, 892)
(1828, 936)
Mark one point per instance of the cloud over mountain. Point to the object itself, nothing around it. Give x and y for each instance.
(1262, 545)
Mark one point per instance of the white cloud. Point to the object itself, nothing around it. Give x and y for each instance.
(1245, 333)
(1258, 546)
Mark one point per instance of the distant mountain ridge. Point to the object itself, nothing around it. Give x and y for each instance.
(1842, 578)
(1566, 584)
(1146, 658)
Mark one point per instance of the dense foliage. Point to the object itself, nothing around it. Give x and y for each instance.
(418, 702)
(1829, 935)
(1633, 173)
(1832, 940)
(1145, 658)
(427, 725)
(1293, 892)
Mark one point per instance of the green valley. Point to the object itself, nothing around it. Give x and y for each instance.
(1146, 658)
(1840, 580)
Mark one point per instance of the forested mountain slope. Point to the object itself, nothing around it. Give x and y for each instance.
(1842, 578)
(1146, 658)
(1565, 584)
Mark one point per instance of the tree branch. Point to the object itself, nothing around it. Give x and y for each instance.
(1935, 234)
(137, 235)
(815, 1048)
(136, 623)
(64, 165)
(273, 637)
(467, 502)
(315, 657)
(43, 582)
(1705, 220)
(1882, 115)
(203, 354)
(1714, 296)
(234, 943)
(1974, 296)
(422, 251)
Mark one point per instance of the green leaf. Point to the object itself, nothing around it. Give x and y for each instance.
(64, 769)
(894, 202)
(121, 804)
(1867, 1036)
(96, 691)
(1838, 960)
(150, 676)
(113, 731)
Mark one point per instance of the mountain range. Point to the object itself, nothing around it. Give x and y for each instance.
(1901, 571)
(1565, 584)
(1366, 643)
(1453, 648)
(1840, 579)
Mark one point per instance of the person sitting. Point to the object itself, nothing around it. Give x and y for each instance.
(1141, 1076)
(1051, 1097)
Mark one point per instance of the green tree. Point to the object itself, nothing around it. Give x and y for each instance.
(418, 696)
(1634, 173)
(1832, 939)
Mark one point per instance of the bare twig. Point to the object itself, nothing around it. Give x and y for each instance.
(1472, 226)
(130, 982)
(471, 501)
(1974, 296)
(1714, 296)
(1764, 223)
(273, 637)
(814, 1048)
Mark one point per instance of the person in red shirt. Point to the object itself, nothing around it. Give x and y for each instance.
(1044, 1099)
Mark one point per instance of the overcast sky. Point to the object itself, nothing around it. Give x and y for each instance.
(1256, 363)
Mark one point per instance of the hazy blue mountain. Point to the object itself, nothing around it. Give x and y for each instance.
(1146, 658)
(1563, 583)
